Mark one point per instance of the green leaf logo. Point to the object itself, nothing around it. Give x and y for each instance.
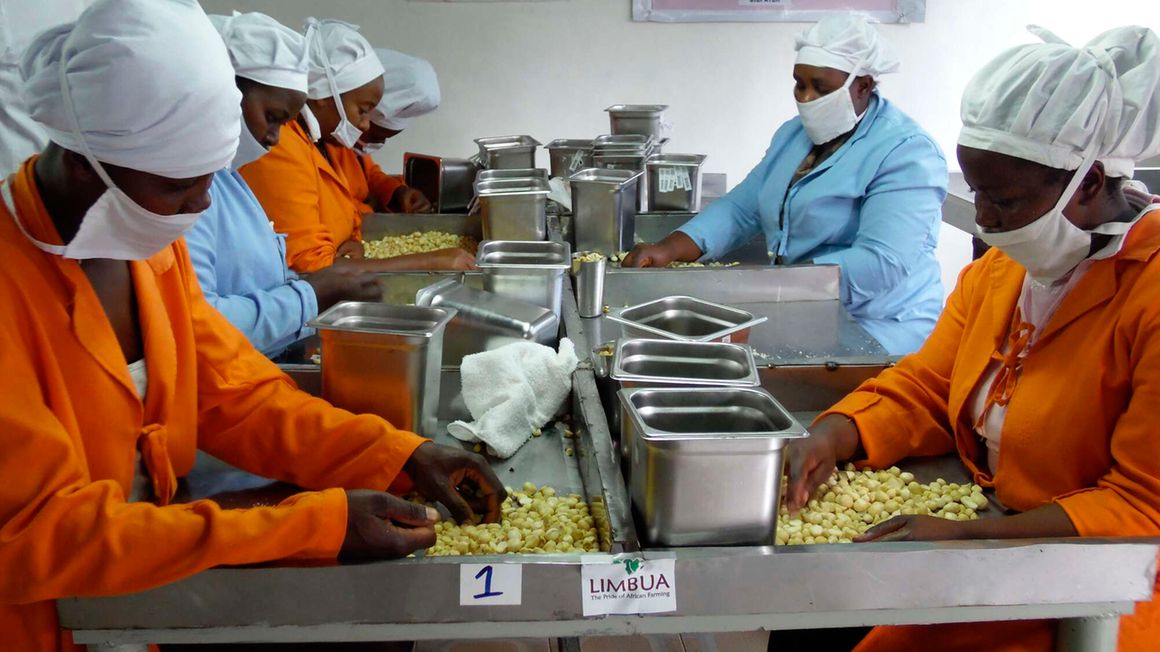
(630, 565)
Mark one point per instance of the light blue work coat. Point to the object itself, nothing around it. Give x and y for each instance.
(241, 265)
(873, 208)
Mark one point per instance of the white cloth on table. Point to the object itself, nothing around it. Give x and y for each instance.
(513, 390)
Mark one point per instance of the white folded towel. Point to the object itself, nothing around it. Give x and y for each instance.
(513, 390)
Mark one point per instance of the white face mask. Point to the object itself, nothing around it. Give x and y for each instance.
(312, 126)
(831, 115)
(369, 148)
(1051, 247)
(115, 226)
(346, 133)
(249, 149)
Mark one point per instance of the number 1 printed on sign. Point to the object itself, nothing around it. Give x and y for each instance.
(490, 584)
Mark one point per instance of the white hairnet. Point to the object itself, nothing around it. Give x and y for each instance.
(351, 59)
(264, 50)
(1056, 104)
(150, 83)
(410, 89)
(1135, 52)
(1047, 103)
(843, 42)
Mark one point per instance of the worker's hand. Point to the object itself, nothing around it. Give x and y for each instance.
(915, 528)
(462, 481)
(382, 526)
(351, 249)
(648, 255)
(812, 460)
(344, 283)
(451, 259)
(409, 200)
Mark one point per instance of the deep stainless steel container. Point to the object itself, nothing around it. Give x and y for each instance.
(674, 182)
(644, 119)
(446, 182)
(485, 320)
(528, 174)
(604, 204)
(674, 363)
(629, 160)
(513, 209)
(528, 271)
(686, 318)
(508, 152)
(590, 287)
(384, 359)
(706, 463)
(568, 156)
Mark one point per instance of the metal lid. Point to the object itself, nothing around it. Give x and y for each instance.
(523, 254)
(383, 318)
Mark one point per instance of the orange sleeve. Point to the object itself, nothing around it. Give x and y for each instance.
(64, 534)
(382, 185)
(285, 181)
(1126, 500)
(252, 416)
(903, 411)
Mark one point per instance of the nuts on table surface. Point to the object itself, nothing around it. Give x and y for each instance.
(535, 520)
(853, 501)
(417, 243)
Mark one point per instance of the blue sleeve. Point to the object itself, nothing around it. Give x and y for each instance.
(898, 221)
(734, 219)
(272, 318)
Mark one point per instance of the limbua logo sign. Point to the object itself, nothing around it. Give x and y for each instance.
(629, 585)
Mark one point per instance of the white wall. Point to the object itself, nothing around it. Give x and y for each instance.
(549, 68)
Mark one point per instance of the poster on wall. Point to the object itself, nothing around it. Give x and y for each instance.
(789, 11)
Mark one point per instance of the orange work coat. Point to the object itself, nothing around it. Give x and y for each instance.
(307, 198)
(1080, 428)
(71, 425)
(365, 179)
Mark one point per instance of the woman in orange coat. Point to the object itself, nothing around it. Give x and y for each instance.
(410, 90)
(116, 370)
(1043, 372)
(312, 196)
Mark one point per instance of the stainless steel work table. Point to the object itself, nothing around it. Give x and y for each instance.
(814, 355)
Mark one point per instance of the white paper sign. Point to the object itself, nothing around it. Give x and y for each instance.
(670, 179)
(628, 586)
(577, 162)
(490, 584)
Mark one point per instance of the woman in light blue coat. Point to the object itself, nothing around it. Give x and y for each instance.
(852, 181)
(240, 261)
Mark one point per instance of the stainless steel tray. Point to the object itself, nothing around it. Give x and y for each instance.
(686, 318)
(640, 362)
(485, 320)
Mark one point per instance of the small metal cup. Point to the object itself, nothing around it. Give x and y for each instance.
(590, 287)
